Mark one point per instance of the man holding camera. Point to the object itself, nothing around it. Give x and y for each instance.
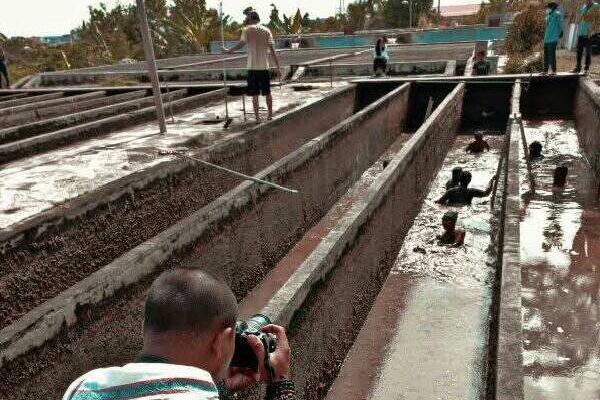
(190, 340)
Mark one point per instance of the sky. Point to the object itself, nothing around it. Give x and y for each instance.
(57, 17)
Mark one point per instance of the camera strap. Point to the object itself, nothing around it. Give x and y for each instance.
(268, 366)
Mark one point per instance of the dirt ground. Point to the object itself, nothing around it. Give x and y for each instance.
(566, 61)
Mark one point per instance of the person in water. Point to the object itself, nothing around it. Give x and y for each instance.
(453, 236)
(455, 180)
(462, 194)
(535, 150)
(560, 176)
(479, 145)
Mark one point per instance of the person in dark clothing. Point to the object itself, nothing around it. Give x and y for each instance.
(481, 66)
(560, 176)
(463, 195)
(380, 57)
(584, 35)
(535, 150)
(455, 180)
(188, 343)
(453, 236)
(3, 69)
(479, 145)
(552, 34)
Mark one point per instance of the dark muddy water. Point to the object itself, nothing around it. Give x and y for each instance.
(560, 257)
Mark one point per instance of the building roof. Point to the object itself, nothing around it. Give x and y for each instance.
(459, 10)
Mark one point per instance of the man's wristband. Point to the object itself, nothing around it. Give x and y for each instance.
(281, 390)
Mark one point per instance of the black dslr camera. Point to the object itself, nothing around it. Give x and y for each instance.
(244, 356)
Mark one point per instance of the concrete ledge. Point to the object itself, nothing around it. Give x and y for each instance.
(32, 99)
(5, 112)
(366, 69)
(6, 100)
(233, 146)
(42, 113)
(116, 104)
(46, 321)
(170, 75)
(21, 148)
(509, 360)
(587, 118)
(290, 298)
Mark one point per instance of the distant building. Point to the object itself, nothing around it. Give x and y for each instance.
(56, 40)
(459, 14)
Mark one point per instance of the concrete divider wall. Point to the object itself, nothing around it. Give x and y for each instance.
(366, 69)
(232, 227)
(48, 111)
(508, 380)
(587, 119)
(351, 263)
(323, 170)
(7, 112)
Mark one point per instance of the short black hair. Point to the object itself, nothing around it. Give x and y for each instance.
(188, 300)
(253, 16)
(465, 178)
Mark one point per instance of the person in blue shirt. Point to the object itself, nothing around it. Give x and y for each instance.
(554, 31)
(381, 57)
(584, 34)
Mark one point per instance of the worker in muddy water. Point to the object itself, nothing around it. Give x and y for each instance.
(462, 194)
(454, 181)
(478, 145)
(261, 46)
(560, 176)
(535, 150)
(3, 69)
(190, 340)
(453, 236)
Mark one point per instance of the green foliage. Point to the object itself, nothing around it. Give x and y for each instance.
(396, 13)
(526, 34)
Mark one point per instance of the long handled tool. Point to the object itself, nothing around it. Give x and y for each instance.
(215, 166)
(227, 119)
(527, 158)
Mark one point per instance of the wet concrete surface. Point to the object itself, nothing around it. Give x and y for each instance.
(37, 183)
(560, 257)
(426, 336)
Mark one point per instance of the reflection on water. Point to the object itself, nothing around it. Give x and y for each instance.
(560, 255)
(469, 263)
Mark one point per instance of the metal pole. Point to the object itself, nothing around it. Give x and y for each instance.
(149, 53)
(439, 13)
(224, 70)
(244, 106)
(410, 13)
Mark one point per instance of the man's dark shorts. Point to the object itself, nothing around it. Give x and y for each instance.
(259, 81)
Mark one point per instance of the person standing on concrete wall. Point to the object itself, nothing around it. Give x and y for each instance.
(260, 44)
(554, 31)
(584, 36)
(3, 69)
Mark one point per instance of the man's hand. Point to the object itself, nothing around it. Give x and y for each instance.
(280, 359)
(240, 379)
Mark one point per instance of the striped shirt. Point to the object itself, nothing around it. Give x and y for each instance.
(146, 381)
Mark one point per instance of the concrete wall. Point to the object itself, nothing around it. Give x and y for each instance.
(366, 69)
(351, 263)
(587, 119)
(183, 75)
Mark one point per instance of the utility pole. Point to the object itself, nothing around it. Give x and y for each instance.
(410, 22)
(439, 13)
(149, 53)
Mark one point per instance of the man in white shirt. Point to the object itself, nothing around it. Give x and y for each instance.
(260, 44)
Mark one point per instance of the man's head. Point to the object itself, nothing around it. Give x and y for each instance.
(465, 178)
(252, 18)
(535, 149)
(449, 221)
(480, 55)
(456, 173)
(552, 6)
(478, 137)
(190, 319)
(589, 2)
